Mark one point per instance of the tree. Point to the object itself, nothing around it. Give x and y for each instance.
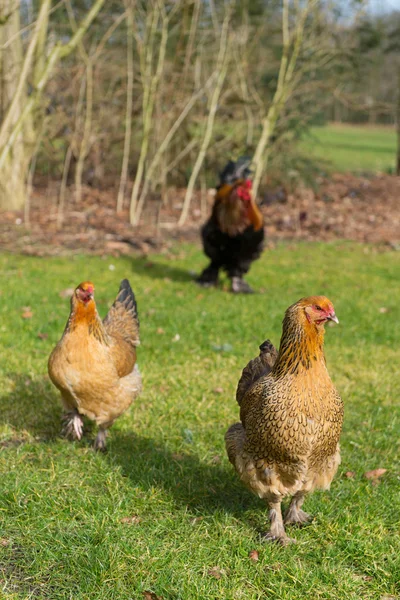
(23, 81)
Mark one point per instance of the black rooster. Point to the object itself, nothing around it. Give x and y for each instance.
(233, 235)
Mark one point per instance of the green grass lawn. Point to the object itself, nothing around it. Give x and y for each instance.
(354, 148)
(163, 510)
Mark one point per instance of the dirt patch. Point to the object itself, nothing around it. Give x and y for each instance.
(343, 207)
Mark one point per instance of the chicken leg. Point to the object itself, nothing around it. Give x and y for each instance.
(100, 441)
(277, 531)
(294, 515)
(209, 276)
(72, 425)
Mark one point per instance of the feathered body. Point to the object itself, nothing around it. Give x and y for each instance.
(94, 364)
(233, 235)
(287, 443)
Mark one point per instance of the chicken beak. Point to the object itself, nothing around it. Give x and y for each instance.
(333, 318)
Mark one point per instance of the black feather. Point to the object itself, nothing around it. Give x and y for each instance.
(235, 170)
(127, 297)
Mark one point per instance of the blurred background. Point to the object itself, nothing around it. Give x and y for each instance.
(126, 112)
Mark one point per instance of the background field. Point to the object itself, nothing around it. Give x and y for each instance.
(353, 148)
(163, 510)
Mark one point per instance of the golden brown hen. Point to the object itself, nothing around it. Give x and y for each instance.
(94, 363)
(287, 443)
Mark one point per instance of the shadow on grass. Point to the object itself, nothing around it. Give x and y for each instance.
(32, 406)
(157, 270)
(200, 486)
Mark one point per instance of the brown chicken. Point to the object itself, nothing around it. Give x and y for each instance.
(287, 443)
(94, 364)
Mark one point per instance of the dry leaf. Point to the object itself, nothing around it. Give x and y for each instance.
(133, 520)
(26, 312)
(176, 337)
(4, 542)
(177, 456)
(253, 555)
(43, 336)
(151, 596)
(375, 473)
(67, 293)
(349, 474)
(383, 309)
(218, 390)
(367, 578)
(196, 520)
(216, 572)
(160, 331)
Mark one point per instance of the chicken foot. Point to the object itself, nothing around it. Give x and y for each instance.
(72, 427)
(294, 515)
(209, 276)
(277, 531)
(100, 441)
(240, 286)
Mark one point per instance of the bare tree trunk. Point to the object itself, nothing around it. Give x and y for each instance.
(13, 77)
(221, 71)
(129, 103)
(150, 84)
(84, 147)
(398, 125)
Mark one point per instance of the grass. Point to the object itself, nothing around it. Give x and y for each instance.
(63, 508)
(353, 148)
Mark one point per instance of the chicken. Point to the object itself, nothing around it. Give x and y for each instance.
(94, 364)
(287, 443)
(233, 235)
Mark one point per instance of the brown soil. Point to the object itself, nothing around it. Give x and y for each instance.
(343, 207)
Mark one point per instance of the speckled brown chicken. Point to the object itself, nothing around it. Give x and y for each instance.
(287, 443)
(94, 364)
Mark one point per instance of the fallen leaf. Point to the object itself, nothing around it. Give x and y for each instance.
(195, 520)
(151, 596)
(367, 578)
(26, 312)
(389, 597)
(216, 572)
(383, 309)
(375, 473)
(349, 474)
(176, 337)
(4, 542)
(43, 336)
(111, 267)
(133, 520)
(67, 293)
(253, 555)
(218, 390)
(160, 331)
(177, 456)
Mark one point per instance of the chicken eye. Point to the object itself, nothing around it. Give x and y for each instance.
(318, 307)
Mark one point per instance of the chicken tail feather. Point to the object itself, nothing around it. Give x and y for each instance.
(122, 318)
(256, 368)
